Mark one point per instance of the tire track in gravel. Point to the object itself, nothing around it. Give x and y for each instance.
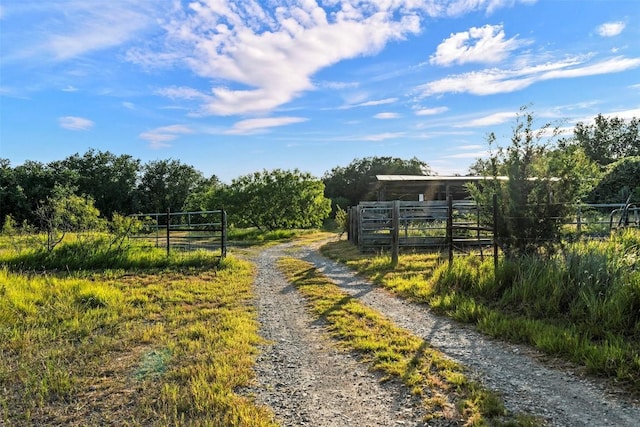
(527, 385)
(304, 377)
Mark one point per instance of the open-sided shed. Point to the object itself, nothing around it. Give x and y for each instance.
(425, 188)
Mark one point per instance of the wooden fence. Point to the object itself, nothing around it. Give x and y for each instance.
(186, 230)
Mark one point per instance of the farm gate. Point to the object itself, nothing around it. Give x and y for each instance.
(437, 225)
(186, 230)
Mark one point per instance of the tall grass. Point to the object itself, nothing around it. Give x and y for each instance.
(158, 346)
(582, 304)
(97, 253)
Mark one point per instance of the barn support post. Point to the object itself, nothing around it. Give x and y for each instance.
(395, 232)
(450, 226)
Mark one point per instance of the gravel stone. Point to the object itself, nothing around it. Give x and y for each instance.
(307, 380)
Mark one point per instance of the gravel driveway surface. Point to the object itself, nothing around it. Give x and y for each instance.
(308, 381)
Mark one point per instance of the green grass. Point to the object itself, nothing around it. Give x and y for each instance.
(446, 391)
(168, 345)
(582, 305)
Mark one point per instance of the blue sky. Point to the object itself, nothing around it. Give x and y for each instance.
(232, 87)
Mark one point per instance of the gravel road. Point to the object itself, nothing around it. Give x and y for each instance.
(307, 380)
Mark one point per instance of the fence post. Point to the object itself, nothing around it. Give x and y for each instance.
(168, 231)
(579, 219)
(223, 237)
(395, 232)
(495, 234)
(450, 227)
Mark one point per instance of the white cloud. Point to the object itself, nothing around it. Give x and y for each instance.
(459, 7)
(468, 155)
(69, 88)
(622, 114)
(486, 44)
(494, 80)
(160, 137)
(373, 103)
(128, 105)
(251, 126)
(182, 92)
(264, 56)
(611, 29)
(75, 123)
(71, 28)
(382, 136)
(431, 111)
(490, 120)
(386, 116)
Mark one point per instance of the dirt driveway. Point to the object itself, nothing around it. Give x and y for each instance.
(307, 380)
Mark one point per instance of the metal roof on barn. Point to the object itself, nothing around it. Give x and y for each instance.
(431, 187)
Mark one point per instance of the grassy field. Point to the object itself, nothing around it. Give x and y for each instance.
(582, 304)
(155, 341)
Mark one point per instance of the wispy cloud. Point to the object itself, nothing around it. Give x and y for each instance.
(251, 126)
(490, 120)
(386, 116)
(75, 123)
(611, 29)
(460, 7)
(372, 103)
(160, 137)
(493, 81)
(382, 136)
(68, 29)
(431, 111)
(487, 44)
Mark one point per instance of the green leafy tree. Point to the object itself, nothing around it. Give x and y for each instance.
(166, 184)
(34, 184)
(9, 196)
(65, 212)
(620, 182)
(537, 196)
(357, 181)
(276, 199)
(205, 196)
(109, 179)
(342, 221)
(609, 139)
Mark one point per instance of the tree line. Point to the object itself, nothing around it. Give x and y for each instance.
(598, 163)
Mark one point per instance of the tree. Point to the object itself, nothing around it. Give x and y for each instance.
(276, 200)
(621, 180)
(538, 194)
(609, 139)
(166, 184)
(357, 181)
(205, 196)
(65, 212)
(109, 179)
(34, 184)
